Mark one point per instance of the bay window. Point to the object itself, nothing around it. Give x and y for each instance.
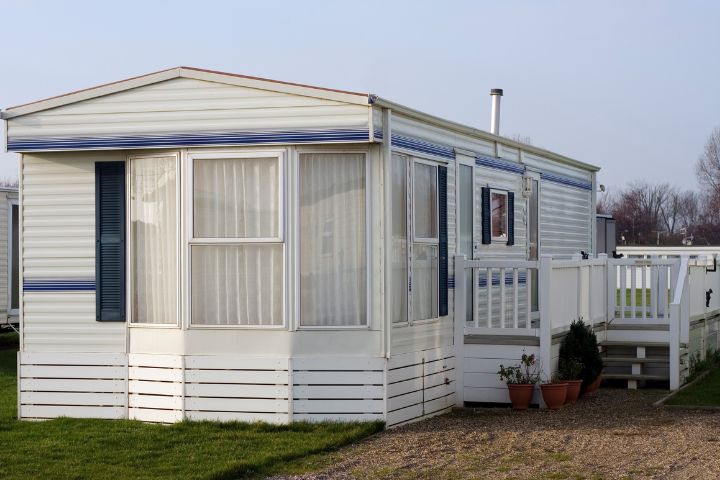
(236, 249)
(333, 244)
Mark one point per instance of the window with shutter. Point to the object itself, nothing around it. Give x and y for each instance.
(110, 241)
(442, 242)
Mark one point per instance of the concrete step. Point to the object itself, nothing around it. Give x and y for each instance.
(636, 360)
(633, 343)
(638, 336)
(630, 376)
(660, 327)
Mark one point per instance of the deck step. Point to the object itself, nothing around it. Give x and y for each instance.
(636, 360)
(630, 376)
(632, 343)
(661, 327)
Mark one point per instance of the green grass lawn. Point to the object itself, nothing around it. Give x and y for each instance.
(705, 392)
(118, 449)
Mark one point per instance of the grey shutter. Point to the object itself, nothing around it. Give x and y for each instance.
(442, 242)
(486, 214)
(511, 218)
(110, 241)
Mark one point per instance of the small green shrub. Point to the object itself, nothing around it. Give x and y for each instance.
(698, 365)
(523, 374)
(580, 346)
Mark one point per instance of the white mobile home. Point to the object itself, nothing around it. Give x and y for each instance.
(203, 245)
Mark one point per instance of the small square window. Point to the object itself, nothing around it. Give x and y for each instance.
(499, 215)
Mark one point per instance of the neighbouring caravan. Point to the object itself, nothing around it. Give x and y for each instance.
(9, 256)
(203, 245)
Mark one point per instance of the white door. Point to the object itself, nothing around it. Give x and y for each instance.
(467, 240)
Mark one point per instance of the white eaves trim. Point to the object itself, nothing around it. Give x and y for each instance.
(186, 72)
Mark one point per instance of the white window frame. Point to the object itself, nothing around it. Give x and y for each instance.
(280, 156)
(493, 237)
(368, 238)
(129, 243)
(11, 281)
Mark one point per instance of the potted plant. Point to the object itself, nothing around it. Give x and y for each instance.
(520, 380)
(570, 370)
(581, 344)
(554, 392)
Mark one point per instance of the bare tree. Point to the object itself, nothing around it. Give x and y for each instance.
(707, 168)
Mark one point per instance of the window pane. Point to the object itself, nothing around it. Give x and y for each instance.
(15, 260)
(153, 217)
(333, 272)
(236, 198)
(465, 239)
(399, 240)
(425, 281)
(425, 200)
(499, 215)
(237, 284)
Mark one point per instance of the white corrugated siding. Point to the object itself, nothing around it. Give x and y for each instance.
(59, 244)
(188, 105)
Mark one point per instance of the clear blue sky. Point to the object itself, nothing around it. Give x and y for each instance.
(632, 86)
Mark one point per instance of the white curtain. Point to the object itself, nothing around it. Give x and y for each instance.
(241, 283)
(237, 284)
(425, 281)
(399, 283)
(425, 253)
(425, 200)
(236, 198)
(153, 215)
(333, 258)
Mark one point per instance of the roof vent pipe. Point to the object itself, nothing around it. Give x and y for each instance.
(495, 93)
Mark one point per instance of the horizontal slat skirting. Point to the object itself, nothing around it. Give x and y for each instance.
(338, 406)
(72, 385)
(52, 411)
(155, 374)
(338, 392)
(236, 405)
(74, 398)
(155, 388)
(155, 415)
(235, 390)
(57, 371)
(232, 362)
(276, 418)
(162, 402)
(267, 377)
(338, 378)
(337, 417)
(98, 359)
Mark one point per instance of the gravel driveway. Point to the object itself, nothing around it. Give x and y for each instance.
(617, 434)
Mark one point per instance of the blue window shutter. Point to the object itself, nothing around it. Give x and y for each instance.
(511, 218)
(486, 213)
(442, 242)
(110, 241)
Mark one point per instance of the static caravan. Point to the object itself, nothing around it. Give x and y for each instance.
(203, 245)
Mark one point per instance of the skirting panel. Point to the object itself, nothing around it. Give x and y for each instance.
(420, 385)
(232, 388)
(338, 389)
(80, 385)
(155, 388)
(481, 365)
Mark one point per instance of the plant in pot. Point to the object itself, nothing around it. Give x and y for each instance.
(581, 344)
(520, 380)
(569, 371)
(554, 392)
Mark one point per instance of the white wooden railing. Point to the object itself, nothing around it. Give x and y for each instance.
(640, 290)
(628, 291)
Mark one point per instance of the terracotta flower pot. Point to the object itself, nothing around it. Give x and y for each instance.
(554, 394)
(520, 395)
(593, 387)
(573, 391)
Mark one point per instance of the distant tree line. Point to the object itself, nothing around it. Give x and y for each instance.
(660, 213)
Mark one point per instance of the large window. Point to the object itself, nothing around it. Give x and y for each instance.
(154, 233)
(333, 255)
(425, 242)
(399, 252)
(236, 251)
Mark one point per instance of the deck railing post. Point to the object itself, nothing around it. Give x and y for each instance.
(611, 290)
(459, 313)
(605, 270)
(544, 278)
(675, 317)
